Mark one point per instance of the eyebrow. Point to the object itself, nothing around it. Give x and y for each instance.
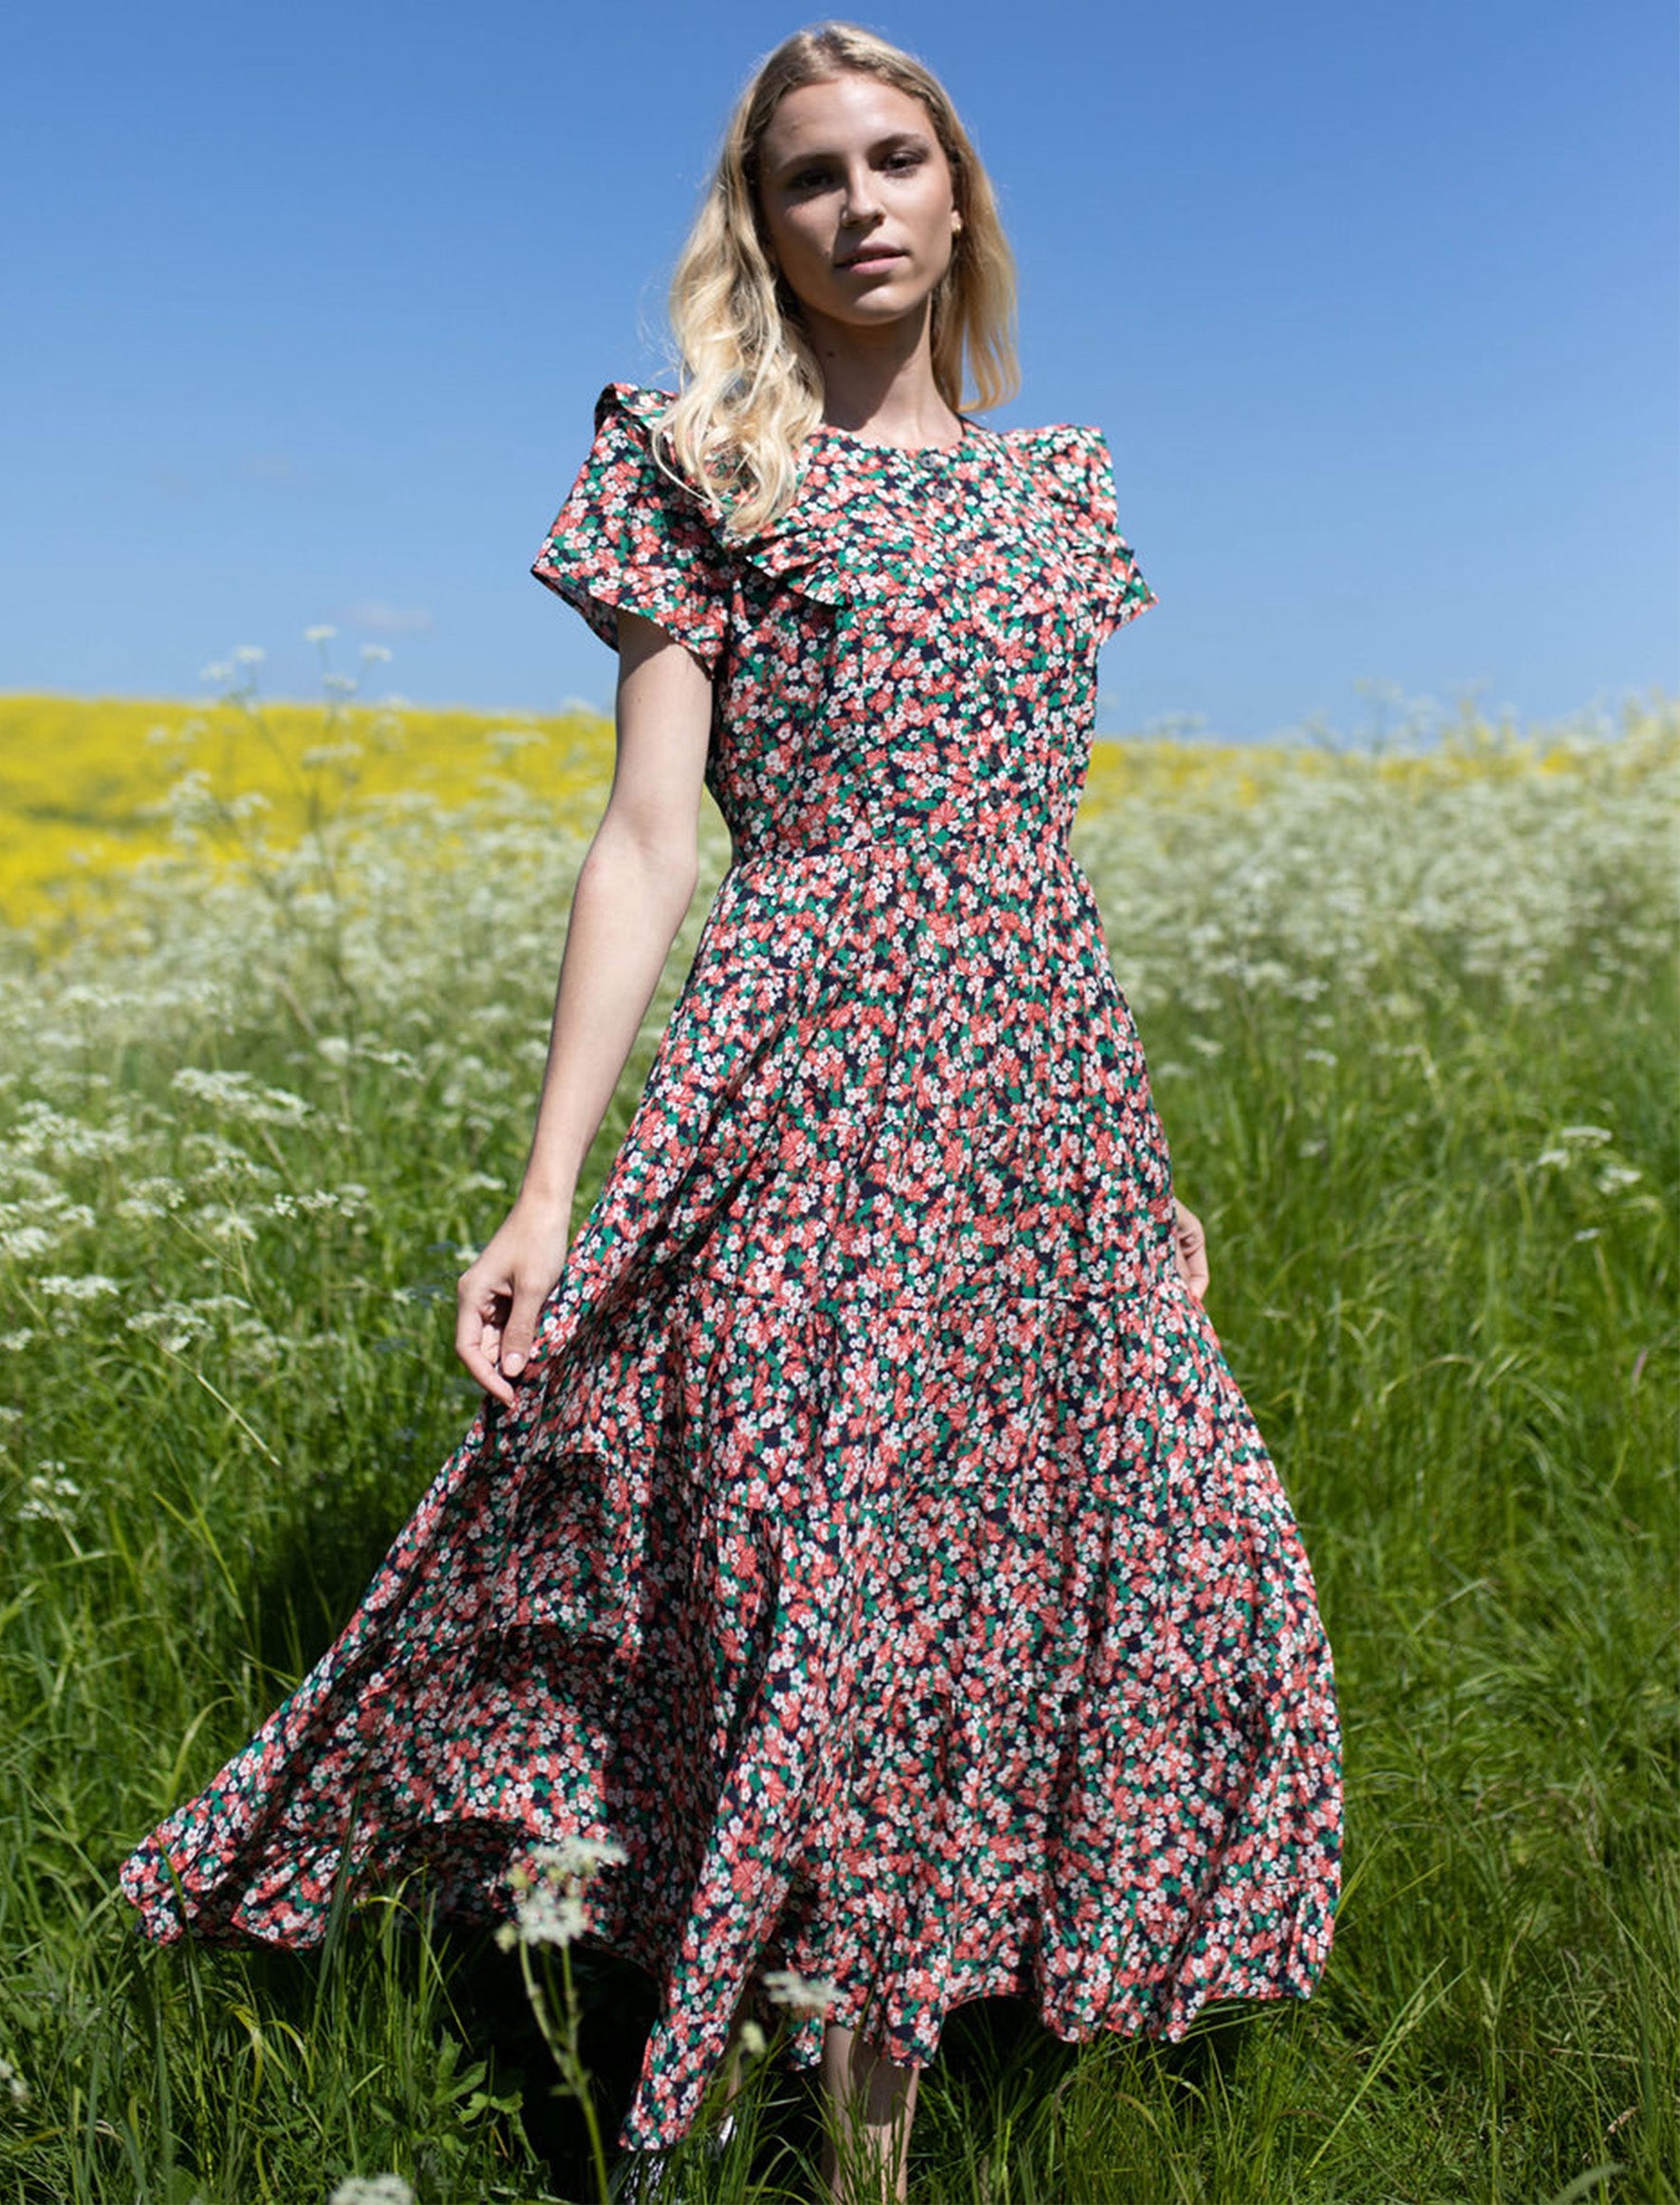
(795, 162)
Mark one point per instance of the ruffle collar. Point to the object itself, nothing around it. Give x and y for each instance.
(841, 542)
(847, 539)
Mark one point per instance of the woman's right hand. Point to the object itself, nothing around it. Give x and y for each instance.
(500, 1299)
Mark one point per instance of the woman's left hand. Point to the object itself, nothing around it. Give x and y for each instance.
(1190, 1248)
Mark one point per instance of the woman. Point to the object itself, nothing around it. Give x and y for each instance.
(861, 1531)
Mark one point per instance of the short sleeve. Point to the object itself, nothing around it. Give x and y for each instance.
(628, 537)
(1082, 476)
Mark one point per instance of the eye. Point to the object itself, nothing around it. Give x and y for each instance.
(899, 163)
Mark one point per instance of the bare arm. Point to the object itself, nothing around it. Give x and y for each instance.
(633, 890)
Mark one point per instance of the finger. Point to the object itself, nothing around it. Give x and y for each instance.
(484, 1373)
(477, 1290)
(521, 1331)
(477, 1338)
(475, 1344)
(476, 1325)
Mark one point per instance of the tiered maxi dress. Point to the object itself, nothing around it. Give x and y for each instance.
(880, 1550)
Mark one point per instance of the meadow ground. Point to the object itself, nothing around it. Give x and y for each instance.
(1412, 1021)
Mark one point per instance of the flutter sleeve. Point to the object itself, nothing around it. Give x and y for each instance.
(630, 538)
(1081, 476)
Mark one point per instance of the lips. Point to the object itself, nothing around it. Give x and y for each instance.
(872, 256)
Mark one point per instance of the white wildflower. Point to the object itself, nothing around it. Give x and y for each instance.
(249, 654)
(40, 1131)
(14, 1343)
(1319, 1056)
(397, 1060)
(175, 1326)
(238, 1095)
(547, 1907)
(90, 1286)
(576, 1855)
(224, 1162)
(751, 2040)
(1614, 1177)
(321, 1202)
(47, 1497)
(319, 635)
(787, 1987)
(223, 1222)
(543, 1915)
(14, 2083)
(372, 2190)
(149, 1199)
(1588, 1136)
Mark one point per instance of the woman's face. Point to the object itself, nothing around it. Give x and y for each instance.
(855, 164)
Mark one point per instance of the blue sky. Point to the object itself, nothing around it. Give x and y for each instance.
(306, 310)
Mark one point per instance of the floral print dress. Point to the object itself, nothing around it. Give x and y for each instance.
(880, 1551)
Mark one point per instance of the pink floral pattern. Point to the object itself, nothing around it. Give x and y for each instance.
(880, 1549)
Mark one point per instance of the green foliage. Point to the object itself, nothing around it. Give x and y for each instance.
(1413, 1040)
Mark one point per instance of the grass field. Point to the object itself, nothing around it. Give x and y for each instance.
(1412, 1022)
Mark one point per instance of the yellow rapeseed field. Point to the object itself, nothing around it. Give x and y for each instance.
(90, 786)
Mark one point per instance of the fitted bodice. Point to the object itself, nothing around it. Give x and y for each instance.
(909, 652)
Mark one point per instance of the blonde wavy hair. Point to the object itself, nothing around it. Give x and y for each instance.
(750, 383)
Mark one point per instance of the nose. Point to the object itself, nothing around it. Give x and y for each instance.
(860, 196)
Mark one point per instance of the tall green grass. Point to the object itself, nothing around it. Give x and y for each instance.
(1413, 1038)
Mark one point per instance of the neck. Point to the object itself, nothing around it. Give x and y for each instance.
(879, 383)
